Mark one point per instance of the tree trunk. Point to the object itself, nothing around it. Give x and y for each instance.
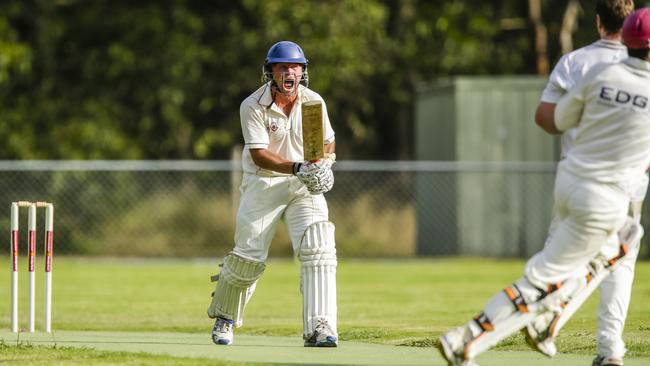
(541, 37)
(569, 26)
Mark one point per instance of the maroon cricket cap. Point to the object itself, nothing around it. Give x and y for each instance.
(636, 29)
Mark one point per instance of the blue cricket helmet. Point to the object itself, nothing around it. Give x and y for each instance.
(286, 51)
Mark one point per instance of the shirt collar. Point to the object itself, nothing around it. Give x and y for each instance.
(609, 43)
(266, 98)
(637, 63)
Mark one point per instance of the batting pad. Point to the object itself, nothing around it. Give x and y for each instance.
(317, 256)
(630, 237)
(524, 304)
(505, 314)
(235, 286)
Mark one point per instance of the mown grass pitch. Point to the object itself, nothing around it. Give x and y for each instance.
(382, 302)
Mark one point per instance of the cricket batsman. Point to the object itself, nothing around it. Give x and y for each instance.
(610, 109)
(279, 184)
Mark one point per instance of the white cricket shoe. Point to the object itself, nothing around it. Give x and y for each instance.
(540, 340)
(545, 346)
(451, 347)
(322, 336)
(222, 331)
(607, 361)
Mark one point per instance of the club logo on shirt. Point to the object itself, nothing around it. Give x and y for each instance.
(610, 96)
(273, 126)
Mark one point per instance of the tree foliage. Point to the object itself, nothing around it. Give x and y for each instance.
(164, 79)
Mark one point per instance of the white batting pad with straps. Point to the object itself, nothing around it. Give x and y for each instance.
(547, 327)
(508, 312)
(526, 305)
(540, 309)
(236, 284)
(317, 255)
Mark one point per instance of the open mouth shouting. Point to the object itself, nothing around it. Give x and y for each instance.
(289, 83)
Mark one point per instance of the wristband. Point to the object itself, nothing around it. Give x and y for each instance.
(296, 167)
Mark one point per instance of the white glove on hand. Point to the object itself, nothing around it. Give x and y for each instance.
(325, 181)
(317, 176)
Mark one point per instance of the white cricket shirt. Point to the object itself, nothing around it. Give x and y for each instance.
(610, 109)
(570, 69)
(265, 126)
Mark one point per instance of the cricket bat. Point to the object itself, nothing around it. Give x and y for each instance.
(312, 130)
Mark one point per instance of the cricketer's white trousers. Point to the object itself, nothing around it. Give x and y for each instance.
(615, 294)
(616, 289)
(588, 214)
(267, 200)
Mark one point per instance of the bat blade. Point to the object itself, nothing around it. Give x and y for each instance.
(312, 130)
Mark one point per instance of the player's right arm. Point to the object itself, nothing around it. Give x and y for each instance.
(269, 160)
(559, 82)
(256, 138)
(545, 117)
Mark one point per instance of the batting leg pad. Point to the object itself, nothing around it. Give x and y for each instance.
(539, 308)
(505, 314)
(317, 255)
(236, 284)
(547, 327)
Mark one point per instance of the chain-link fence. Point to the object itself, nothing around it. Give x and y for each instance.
(380, 209)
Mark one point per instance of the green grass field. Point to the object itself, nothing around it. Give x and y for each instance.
(150, 312)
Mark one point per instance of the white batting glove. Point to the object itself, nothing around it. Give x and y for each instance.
(316, 176)
(325, 182)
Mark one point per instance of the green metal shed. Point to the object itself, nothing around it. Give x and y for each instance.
(490, 203)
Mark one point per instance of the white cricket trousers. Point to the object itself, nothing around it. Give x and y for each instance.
(615, 294)
(267, 200)
(616, 289)
(588, 214)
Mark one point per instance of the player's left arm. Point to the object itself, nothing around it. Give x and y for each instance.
(330, 148)
(568, 110)
(328, 135)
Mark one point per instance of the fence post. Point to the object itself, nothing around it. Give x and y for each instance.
(235, 177)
